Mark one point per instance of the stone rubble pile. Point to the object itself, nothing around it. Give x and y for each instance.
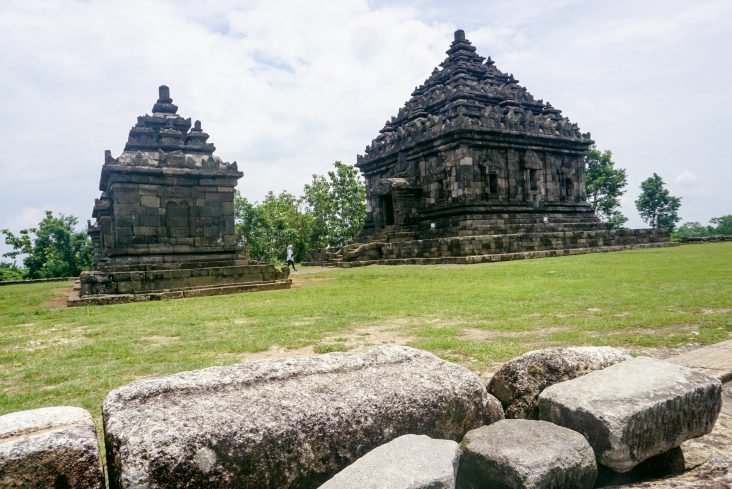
(390, 416)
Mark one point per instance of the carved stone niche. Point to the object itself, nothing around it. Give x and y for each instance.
(397, 202)
(531, 160)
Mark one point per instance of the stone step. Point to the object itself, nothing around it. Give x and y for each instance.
(232, 288)
(496, 257)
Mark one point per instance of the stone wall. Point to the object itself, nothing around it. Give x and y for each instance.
(493, 247)
(168, 210)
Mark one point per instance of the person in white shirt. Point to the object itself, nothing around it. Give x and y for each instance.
(290, 258)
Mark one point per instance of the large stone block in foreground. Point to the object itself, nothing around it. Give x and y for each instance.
(520, 381)
(407, 462)
(52, 447)
(634, 410)
(524, 454)
(289, 423)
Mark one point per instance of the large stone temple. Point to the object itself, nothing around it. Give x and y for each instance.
(164, 223)
(473, 155)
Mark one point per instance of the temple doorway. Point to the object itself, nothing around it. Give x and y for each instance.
(387, 209)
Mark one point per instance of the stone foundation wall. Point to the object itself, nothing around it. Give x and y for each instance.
(463, 246)
(140, 282)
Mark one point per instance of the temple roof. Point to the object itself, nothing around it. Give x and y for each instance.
(165, 139)
(469, 91)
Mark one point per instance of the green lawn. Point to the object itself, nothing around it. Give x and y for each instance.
(476, 315)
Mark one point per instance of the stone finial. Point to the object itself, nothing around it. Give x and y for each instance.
(163, 92)
(459, 35)
(197, 126)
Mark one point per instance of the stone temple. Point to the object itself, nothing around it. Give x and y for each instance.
(473, 155)
(164, 224)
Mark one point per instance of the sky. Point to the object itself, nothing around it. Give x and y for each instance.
(285, 87)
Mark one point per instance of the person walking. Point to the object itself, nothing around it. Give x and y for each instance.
(290, 258)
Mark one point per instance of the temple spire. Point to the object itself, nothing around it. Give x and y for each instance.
(165, 103)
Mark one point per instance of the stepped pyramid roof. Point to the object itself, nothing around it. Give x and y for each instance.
(165, 139)
(468, 91)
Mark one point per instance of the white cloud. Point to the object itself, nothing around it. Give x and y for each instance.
(28, 217)
(285, 87)
(685, 177)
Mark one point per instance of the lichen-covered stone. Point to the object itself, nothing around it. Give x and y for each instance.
(526, 454)
(520, 381)
(407, 462)
(634, 410)
(52, 447)
(289, 423)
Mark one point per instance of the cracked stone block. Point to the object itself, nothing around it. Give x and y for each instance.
(287, 423)
(634, 410)
(54, 447)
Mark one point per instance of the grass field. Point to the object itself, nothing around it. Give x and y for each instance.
(476, 315)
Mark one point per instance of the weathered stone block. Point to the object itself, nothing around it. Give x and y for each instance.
(524, 454)
(52, 447)
(149, 201)
(284, 423)
(520, 381)
(634, 410)
(407, 462)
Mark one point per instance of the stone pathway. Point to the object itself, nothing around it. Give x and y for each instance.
(713, 360)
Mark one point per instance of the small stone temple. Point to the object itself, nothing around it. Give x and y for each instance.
(164, 223)
(473, 154)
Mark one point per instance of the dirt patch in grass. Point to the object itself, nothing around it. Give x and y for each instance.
(306, 321)
(716, 311)
(35, 345)
(689, 329)
(354, 340)
(376, 335)
(277, 352)
(483, 335)
(438, 322)
(59, 300)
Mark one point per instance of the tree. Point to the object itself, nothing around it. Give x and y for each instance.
(264, 230)
(722, 225)
(53, 249)
(8, 272)
(337, 205)
(656, 205)
(691, 230)
(605, 185)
